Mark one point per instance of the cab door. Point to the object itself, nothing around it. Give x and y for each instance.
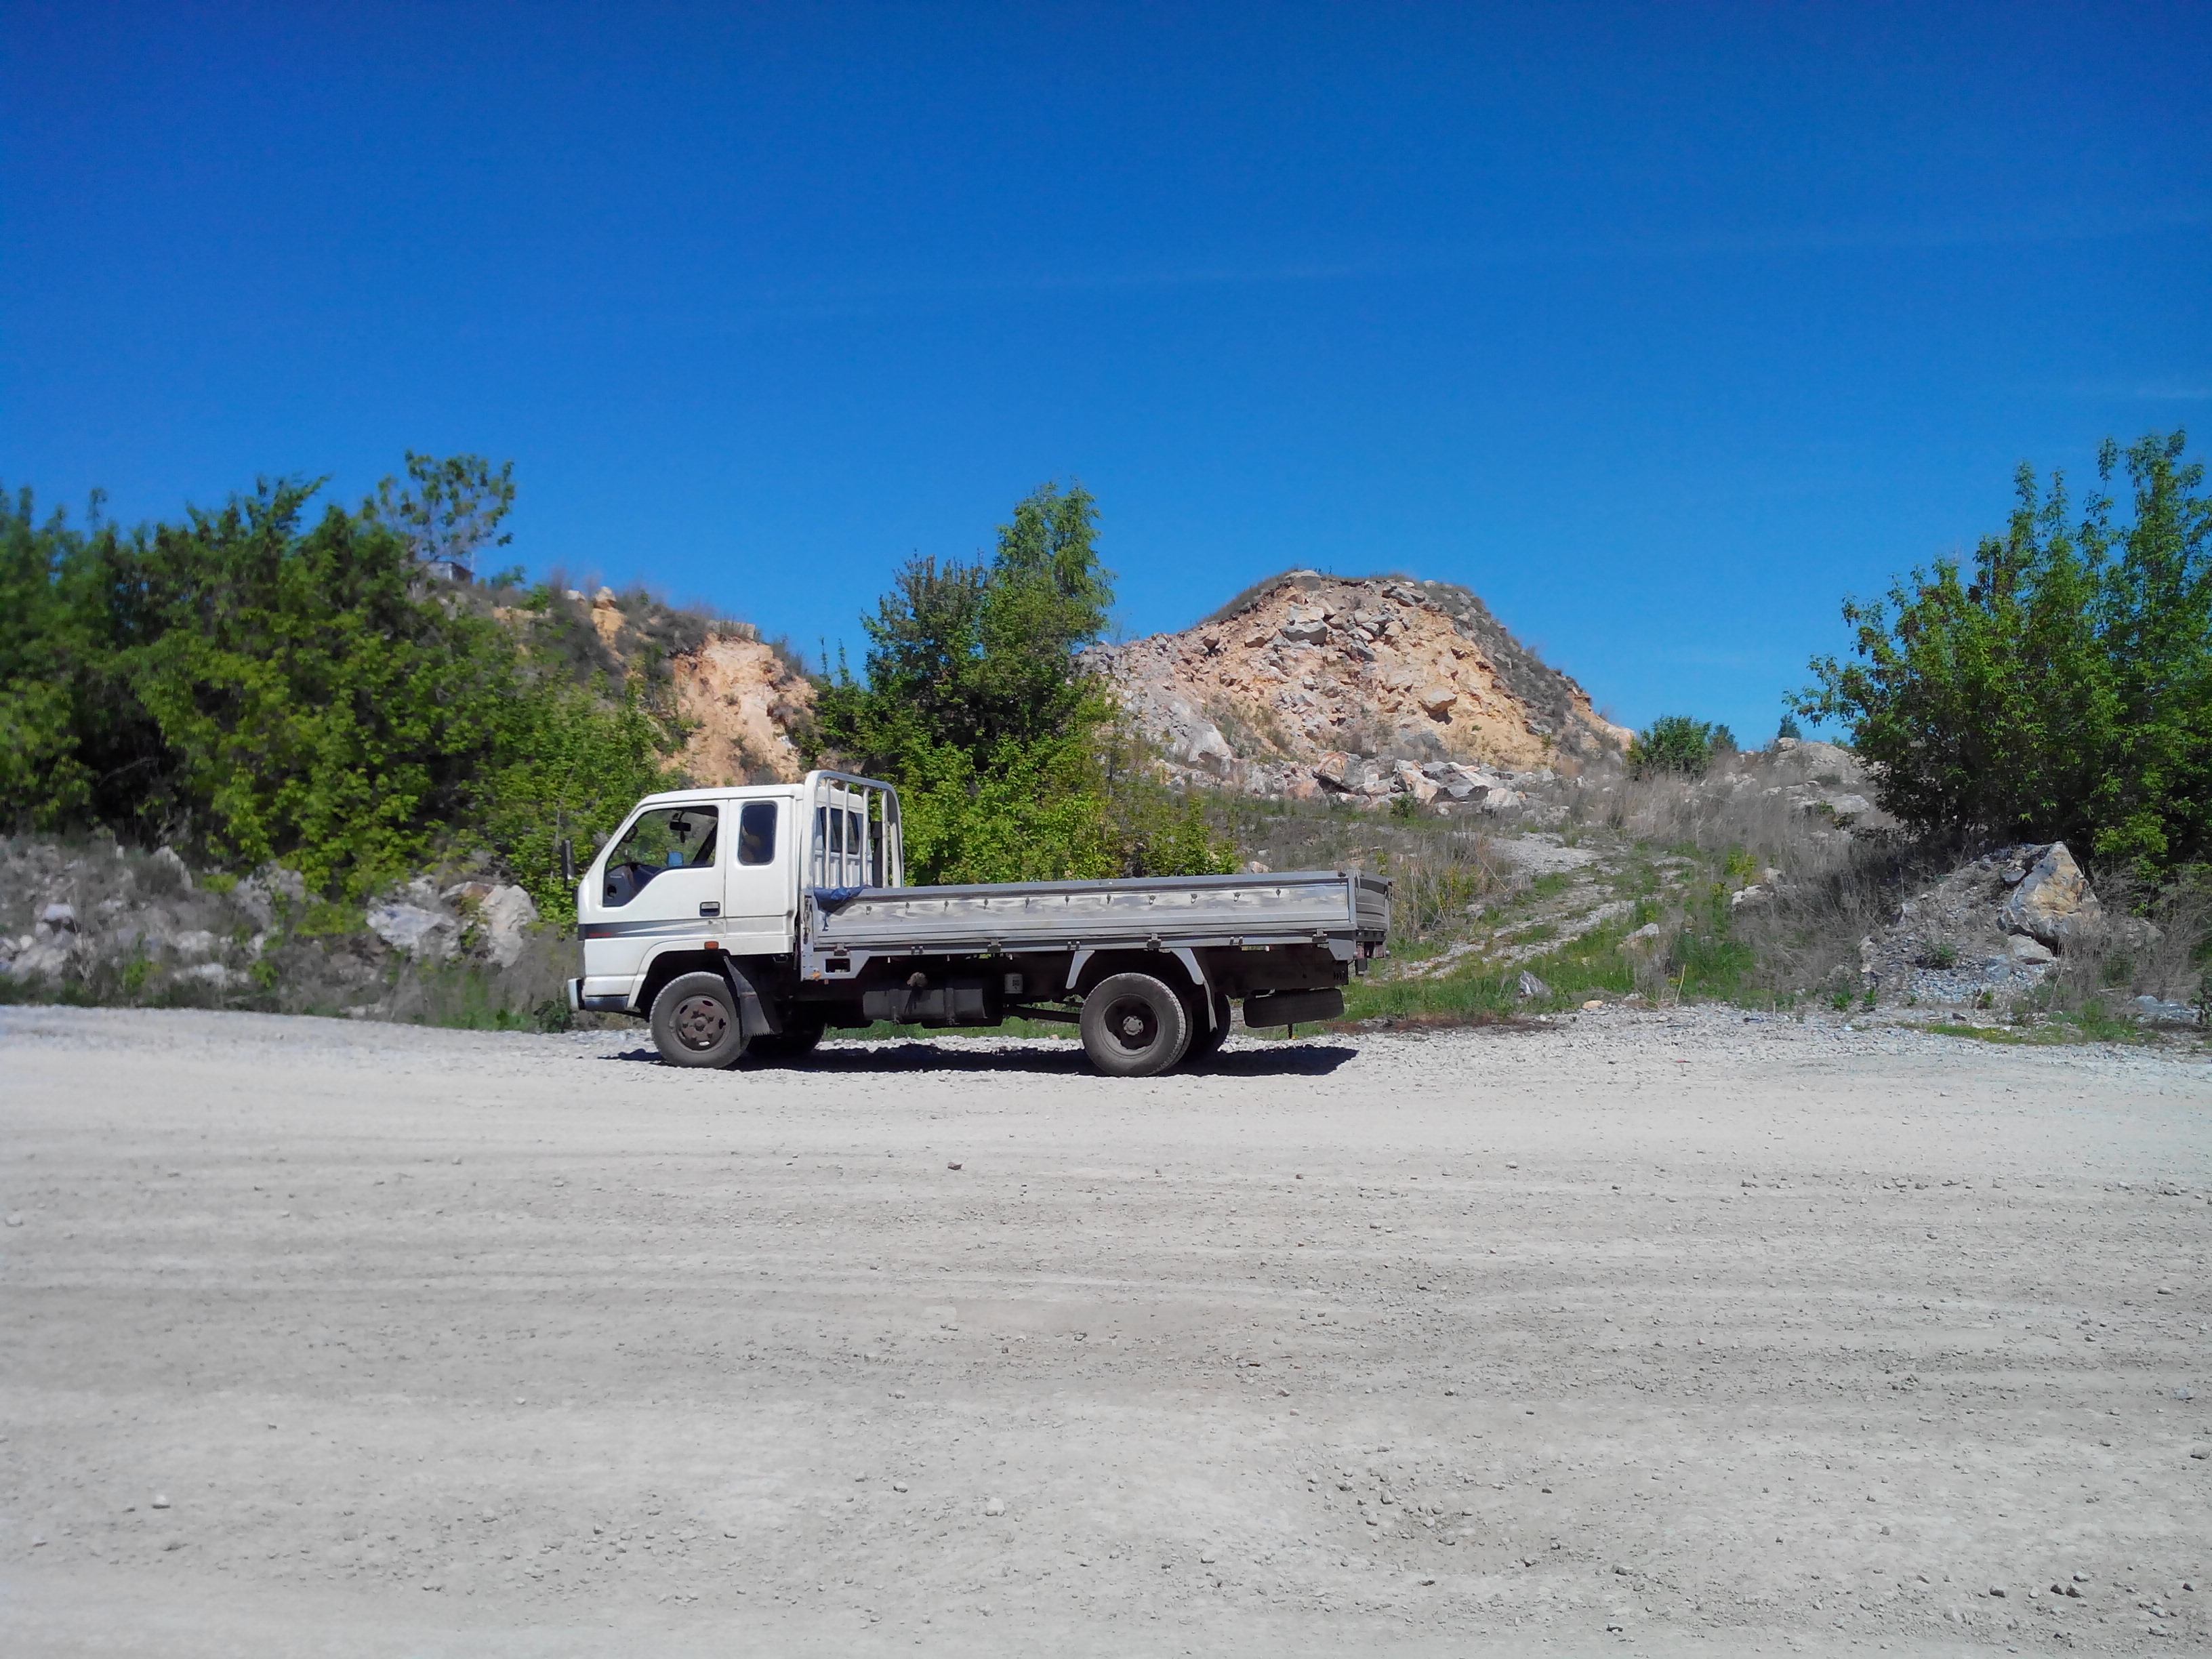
(756, 912)
(662, 881)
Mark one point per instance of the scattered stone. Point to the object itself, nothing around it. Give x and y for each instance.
(160, 1500)
(411, 930)
(1994, 927)
(2150, 1008)
(270, 890)
(994, 1506)
(195, 944)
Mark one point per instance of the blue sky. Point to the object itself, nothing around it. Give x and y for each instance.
(1662, 327)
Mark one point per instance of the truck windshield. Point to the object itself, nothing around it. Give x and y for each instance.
(667, 838)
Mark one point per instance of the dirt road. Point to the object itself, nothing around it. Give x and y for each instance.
(1706, 1336)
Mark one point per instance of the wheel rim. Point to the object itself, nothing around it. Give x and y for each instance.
(701, 1022)
(1133, 1024)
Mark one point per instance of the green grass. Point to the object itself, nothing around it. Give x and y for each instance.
(2090, 1024)
(1582, 969)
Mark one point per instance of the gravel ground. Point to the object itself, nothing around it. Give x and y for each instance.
(1646, 1333)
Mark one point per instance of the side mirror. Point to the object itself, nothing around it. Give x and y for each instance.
(569, 862)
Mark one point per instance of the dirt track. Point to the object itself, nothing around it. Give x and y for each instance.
(1734, 1337)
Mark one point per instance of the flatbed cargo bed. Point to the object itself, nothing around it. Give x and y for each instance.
(1342, 909)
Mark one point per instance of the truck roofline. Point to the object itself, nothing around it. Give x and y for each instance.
(727, 791)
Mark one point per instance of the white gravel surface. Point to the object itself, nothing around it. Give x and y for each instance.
(1649, 1334)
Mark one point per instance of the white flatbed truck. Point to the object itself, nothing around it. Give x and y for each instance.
(747, 921)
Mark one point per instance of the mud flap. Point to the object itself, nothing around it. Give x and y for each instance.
(756, 1013)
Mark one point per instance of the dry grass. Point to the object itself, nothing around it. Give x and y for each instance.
(1443, 868)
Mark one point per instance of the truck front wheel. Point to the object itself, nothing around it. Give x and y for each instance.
(694, 1022)
(1134, 1026)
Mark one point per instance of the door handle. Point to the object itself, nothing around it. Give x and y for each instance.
(709, 908)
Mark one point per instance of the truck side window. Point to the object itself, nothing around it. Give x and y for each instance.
(667, 838)
(757, 833)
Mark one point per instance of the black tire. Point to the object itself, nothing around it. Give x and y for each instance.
(1205, 1041)
(694, 1022)
(795, 1042)
(1134, 1026)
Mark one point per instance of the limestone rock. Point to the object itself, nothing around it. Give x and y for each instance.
(2052, 900)
(270, 889)
(413, 930)
(168, 867)
(509, 913)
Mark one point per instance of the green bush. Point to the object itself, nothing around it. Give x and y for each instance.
(1009, 759)
(256, 684)
(2061, 688)
(1675, 743)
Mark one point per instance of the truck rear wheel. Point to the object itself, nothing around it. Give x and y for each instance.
(694, 1022)
(1134, 1026)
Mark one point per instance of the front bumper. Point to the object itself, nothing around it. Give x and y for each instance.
(585, 996)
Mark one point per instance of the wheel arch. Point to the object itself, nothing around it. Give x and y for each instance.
(1170, 967)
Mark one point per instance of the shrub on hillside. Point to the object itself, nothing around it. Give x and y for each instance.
(1675, 743)
(259, 685)
(2060, 690)
(1011, 761)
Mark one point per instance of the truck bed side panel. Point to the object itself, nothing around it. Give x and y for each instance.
(1060, 914)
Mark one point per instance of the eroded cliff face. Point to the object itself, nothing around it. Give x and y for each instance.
(1312, 685)
(744, 702)
(747, 701)
(1306, 685)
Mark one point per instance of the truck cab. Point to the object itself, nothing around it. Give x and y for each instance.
(708, 873)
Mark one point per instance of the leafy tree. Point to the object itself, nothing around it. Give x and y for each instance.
(1789, 729)
(975, 654)
(1675, 743)
(1007, 754)
(448, 510)
(2063, 688)
(43, 781)
(262, 685)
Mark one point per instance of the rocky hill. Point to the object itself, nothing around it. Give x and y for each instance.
(1308, 684)
(744, 700)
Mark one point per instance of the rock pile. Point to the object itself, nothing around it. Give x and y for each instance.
(1310, 686)
(431, 925)
(106, 910)
(1993, 928)
(115, 924)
